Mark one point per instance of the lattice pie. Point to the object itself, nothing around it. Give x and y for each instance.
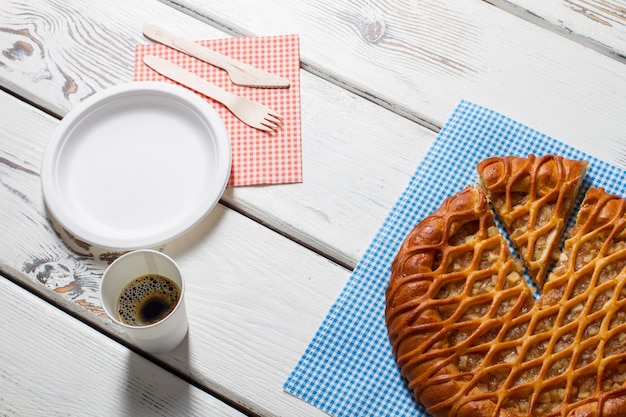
(533, 197)
(471, 340)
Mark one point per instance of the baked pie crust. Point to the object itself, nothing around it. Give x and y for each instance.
(533, 197)
(471, 340)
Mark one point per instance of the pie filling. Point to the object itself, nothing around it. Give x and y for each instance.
(471, 340)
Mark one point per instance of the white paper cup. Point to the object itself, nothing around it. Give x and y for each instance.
(163, 335)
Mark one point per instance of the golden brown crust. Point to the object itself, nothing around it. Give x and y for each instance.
(533, 197)
(446, 273)
(470, 339)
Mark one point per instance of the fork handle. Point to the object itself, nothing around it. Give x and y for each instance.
(186, 78)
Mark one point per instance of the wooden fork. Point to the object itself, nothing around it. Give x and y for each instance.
(250, 112)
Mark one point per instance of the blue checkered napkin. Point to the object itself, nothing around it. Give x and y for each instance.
(348, 369)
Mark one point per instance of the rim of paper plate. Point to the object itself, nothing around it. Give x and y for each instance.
(136, 165)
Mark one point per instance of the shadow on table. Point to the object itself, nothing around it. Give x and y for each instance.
(151, 389)
(178, 245)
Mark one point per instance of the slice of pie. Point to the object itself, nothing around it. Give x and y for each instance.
(471, 341)
(533, 197)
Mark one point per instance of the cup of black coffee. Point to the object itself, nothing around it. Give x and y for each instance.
(143, 291)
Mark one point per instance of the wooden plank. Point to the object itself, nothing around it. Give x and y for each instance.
(52, 364)
(264, 310)
(420, 58)
(252, 312)
(598, 24)
(357, 157)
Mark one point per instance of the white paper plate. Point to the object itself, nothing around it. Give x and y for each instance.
(136, 165)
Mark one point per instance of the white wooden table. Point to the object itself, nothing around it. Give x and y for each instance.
(378, 81)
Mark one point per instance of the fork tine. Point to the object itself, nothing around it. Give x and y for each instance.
(250, 112)
(274, 118)
(270, 124)
(263, 127)
(277, 115)
(274, 121)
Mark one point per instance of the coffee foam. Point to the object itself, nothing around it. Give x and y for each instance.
(141, 290)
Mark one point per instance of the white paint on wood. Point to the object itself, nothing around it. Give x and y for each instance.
(346, 140)
(435, 53)
(598, 24)
(52, 364)
(251, 312)
(357, 156)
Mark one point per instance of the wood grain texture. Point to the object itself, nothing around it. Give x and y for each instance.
(353, 171)
(52, 364)
(61, 266)
(34, 44)
(431, 54)
(598, 24)
(251, 313)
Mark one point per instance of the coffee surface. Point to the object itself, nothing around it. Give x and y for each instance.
(147, 299)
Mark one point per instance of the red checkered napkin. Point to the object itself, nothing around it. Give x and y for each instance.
(258, 157)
